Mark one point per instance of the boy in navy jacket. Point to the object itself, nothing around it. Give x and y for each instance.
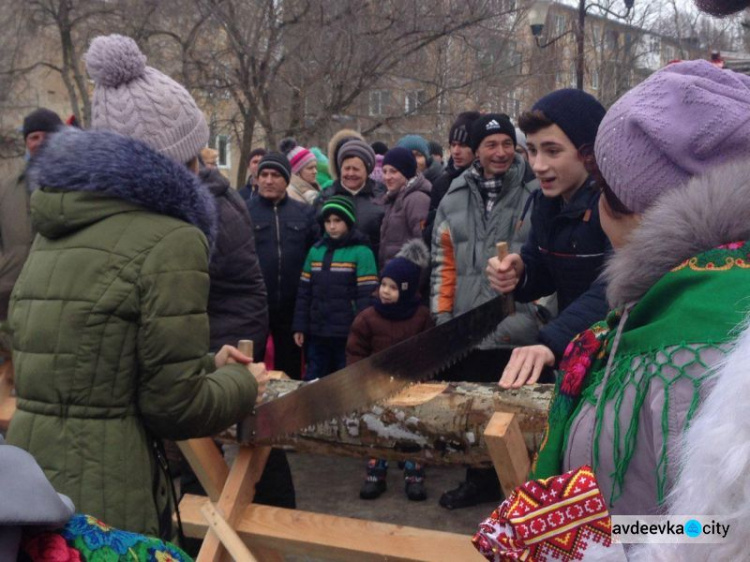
(566, 247)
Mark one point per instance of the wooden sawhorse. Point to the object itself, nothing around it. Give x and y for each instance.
(269, 531)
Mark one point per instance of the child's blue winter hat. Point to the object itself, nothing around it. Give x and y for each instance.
(406, 268)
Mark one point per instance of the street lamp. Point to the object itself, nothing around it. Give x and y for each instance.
(538, 17)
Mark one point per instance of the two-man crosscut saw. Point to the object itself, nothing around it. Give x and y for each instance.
(377, 377)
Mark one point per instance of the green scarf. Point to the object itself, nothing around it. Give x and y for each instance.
(695, 306)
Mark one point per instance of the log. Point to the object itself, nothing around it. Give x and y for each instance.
(437, 423)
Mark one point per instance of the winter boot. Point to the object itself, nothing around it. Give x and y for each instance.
(481, 486)
(375, 481)
(414, 478)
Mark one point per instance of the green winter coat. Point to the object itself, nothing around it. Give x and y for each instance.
(110, 328)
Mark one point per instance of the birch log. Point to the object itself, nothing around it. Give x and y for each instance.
(437, 423)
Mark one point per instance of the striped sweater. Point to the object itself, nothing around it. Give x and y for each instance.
(337, 282)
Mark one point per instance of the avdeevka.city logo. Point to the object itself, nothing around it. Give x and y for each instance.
(693, 528)
(672, 529)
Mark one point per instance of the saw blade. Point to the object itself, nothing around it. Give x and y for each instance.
(375, 378)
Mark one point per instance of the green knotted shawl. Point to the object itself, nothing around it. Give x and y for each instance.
(699, 304)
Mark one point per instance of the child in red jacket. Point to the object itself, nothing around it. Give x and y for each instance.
(397, 315)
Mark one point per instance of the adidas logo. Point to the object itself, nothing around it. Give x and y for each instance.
(492, 125)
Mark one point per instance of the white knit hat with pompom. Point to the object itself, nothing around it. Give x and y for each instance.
(138, 101)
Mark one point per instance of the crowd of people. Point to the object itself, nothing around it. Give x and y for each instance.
(128, 276)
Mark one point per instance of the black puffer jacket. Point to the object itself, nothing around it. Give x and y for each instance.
(369, 211)
(237, 307)
(433, 171)
(564, 253)
(284, 232)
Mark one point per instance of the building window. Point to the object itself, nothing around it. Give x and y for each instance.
(596, 35)
(559, 24)
(413, 100)
(611, 39)
(594, 79)
(224, 148)
(378, 102)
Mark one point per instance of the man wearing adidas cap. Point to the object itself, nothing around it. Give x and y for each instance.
(481, 208)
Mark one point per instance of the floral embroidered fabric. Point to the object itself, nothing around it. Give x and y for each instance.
(86, 539)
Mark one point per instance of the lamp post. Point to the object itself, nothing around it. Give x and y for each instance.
(538, 18)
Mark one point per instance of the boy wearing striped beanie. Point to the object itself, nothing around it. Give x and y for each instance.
(337, 282)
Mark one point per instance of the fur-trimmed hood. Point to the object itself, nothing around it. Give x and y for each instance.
(336, 140)
(708, 211)
(126, 169)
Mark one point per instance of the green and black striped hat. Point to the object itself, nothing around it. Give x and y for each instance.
(341, 206)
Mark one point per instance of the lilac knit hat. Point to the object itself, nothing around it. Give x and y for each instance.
(138, 101)
(680, 122)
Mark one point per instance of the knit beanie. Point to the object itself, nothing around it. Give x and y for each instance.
(379, 148)
(491, 124)
(406, 268)
(299, 157)
(361, 150)
(138, 101)
(276, 161)
(403, 160)
(342, 206)
(415, 142)
(435, 148)
(324, 175)
(577, 113)
(521, 139)
(461, 129)
(680, 122)
(41, 120)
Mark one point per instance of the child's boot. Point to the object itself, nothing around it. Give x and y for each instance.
(414, 478)
(375, 481)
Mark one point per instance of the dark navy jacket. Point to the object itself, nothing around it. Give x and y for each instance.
(237, 300)
(336, 284)
(564, 253)
(284, 232)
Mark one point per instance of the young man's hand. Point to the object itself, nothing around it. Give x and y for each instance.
(505, 274)
(525, 365)
(299, 339)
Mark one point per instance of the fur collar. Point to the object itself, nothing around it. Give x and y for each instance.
(708, 211)
(127, 169)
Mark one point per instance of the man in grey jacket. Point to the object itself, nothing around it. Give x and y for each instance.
(482, 207)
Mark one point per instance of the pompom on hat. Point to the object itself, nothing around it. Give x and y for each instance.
(138, 101)
(680, 122)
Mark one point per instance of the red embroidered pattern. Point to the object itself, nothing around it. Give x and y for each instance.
(556, 518)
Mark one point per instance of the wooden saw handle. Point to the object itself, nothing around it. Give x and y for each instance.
(246, 347)
(502, 252)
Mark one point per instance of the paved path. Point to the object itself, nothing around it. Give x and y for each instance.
(331, 485)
